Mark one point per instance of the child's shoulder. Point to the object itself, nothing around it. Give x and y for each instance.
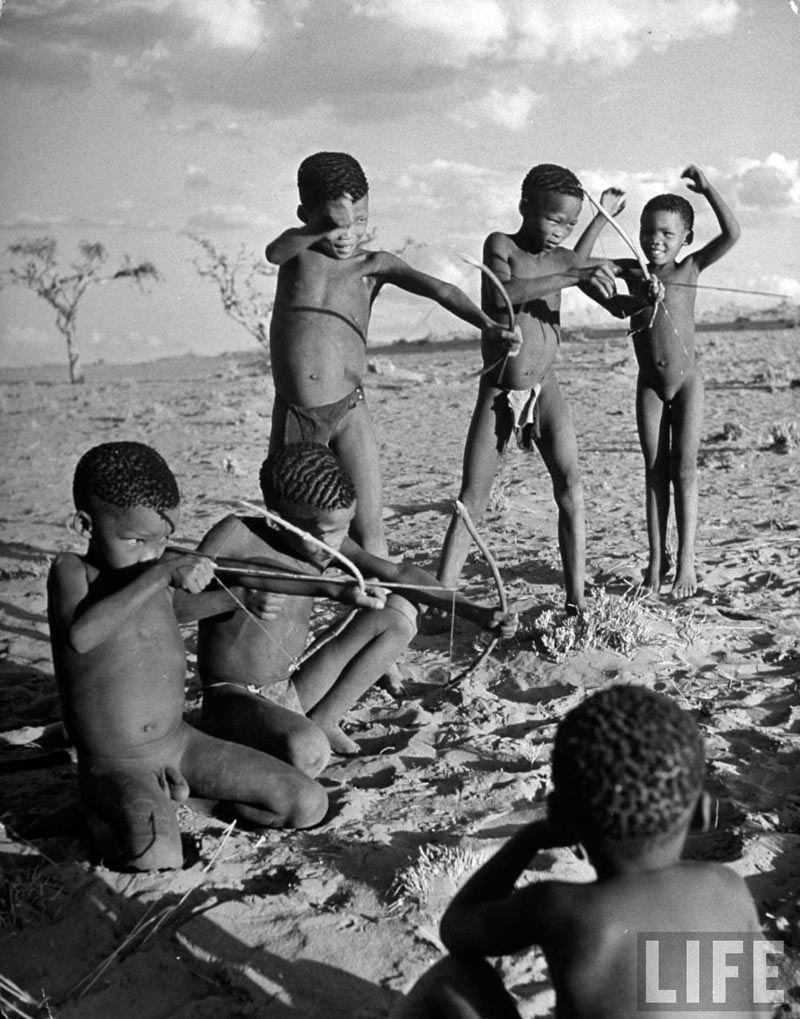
(500, 242)
(67, 564)
(233, 531)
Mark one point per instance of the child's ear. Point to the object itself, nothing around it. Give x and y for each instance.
(82, 524)
(302, 215)
(689, 237)
(701, 819)
(523, 205)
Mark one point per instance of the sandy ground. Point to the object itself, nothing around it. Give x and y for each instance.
(337, 922)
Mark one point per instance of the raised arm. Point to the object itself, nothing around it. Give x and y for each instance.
(487, 917)
(568, 270)
(697, 181)
(291, 242)
(613, 201)
(331, 223)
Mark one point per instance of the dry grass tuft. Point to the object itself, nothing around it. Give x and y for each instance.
(617, 623)
(416, 884)
(28, 895)
(783, 436)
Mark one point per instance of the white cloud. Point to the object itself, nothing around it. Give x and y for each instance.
(581, 31)
(233, 23)
(290, 56)
(510, 109)
(225, 217)
(769, 184)
(455, 29)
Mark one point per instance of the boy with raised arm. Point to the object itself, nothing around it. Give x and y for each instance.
(327, 284)
(245, 662)
(627, 772)
(519, 395)
(120, 664)
(669, 388)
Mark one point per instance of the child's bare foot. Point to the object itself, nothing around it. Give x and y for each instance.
(652, 577)
(392, 680)
(340, 742)
(685, 584)
(433, 621)
(572, 608)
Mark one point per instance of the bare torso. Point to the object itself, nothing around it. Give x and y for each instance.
(237, 647)
(318, 331)
(665, 351)
(595, 960)
(127, 693)
(538, 319)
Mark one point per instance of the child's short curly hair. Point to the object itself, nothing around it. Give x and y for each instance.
(671, 203)
(628, 763)
(326, 176)
(307, 474)
(124, 474)
(550, 177)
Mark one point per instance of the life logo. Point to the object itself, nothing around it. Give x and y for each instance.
(708, 972)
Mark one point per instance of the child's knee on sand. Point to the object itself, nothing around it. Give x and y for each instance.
(296, 802)
(131, 821)
(232, 712)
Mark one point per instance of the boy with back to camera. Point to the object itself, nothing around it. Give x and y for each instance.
(627, 774)
(244, 662)
(669, 388)
(519, 395)
(327, 284)
(120, 663)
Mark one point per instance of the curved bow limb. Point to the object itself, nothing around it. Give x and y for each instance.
(276, 518)
(623, 234)
(512, 320)
(491, 562)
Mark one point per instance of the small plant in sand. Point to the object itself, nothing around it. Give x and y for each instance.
(500, 499)
(619, 624)
(732, 431)
(783, 436)
(434, 877)
(28, 895)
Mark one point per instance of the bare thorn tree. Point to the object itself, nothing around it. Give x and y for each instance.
(240, 280)
(34, 265)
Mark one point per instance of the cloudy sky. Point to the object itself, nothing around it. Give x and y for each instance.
(133, 122)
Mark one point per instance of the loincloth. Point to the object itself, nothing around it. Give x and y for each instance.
(292, 423)
(523, 406)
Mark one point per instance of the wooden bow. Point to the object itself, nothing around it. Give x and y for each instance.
(491, 562)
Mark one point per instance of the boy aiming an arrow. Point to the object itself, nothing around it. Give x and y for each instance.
(245, 655)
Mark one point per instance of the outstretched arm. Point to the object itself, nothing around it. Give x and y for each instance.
(393, 269)
(568, 270)
(697, 181)
(487, 917)
(424, 589)
(613, 201)
(625, 305)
